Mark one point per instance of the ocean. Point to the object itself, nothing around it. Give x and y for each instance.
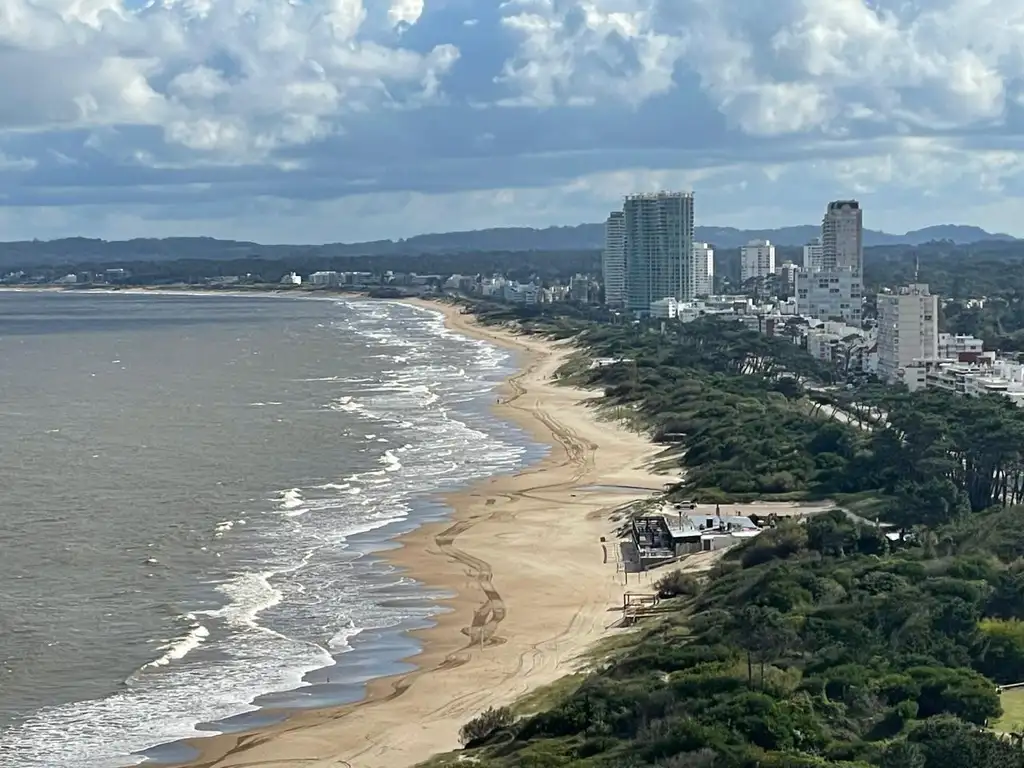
(196, 490)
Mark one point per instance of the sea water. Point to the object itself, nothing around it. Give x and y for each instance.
(193, 490)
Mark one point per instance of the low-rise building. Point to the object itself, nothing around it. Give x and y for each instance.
(954, 347)
(665, 309)
(493, 286)
(986, 375)
(767, 322)
(521, 293)
(580, 288)
(331, 279)
(361, 278)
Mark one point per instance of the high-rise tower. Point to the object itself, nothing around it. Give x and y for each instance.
(613, 260)
(659, 248)
(842, 236)
(703, 269)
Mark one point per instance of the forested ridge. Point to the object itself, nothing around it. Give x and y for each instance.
(823, 643)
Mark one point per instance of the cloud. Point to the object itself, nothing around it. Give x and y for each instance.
(306, 120)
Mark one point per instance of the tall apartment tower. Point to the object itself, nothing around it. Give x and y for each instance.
(757, 259)
(830, 286)
(908, 330)
(703, 269)
(613, 260)
(842, 238)
(659, 248)
(812, 255)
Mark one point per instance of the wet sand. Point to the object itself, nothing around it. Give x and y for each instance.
(534, 585)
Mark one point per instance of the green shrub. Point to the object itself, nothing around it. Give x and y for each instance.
(485, 725)
(677, 584)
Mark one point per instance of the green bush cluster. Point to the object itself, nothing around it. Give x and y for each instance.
(822, 643)
(825, 655)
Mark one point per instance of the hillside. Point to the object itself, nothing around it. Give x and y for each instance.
(80, 250)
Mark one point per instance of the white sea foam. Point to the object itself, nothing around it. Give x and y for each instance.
(249, 594)
(390, 461)
(277, 619)
(339, 642)
(291, 498)
(333, 487)
(179, 648)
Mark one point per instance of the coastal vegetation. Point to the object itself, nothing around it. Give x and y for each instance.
(749, 416)
(831, 642)
(822, 644)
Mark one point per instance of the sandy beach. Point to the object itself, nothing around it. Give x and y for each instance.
(534, 585)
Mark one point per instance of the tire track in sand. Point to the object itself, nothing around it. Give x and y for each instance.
(482, 631)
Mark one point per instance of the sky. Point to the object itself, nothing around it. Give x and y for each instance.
(307, 121)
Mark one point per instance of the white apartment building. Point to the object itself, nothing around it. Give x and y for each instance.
(821, 343)
(830, 285)
(842, 236)
(522, 293)
(951, 346)
(325, 278)
(832, 295)
(812, 255)
(493, 286)
(659, 248)
(291, 279)
(613, 260)
(703, 269)
(757, 259)
(908, 331)
(988, 376)
(665, 309)
(845, 345)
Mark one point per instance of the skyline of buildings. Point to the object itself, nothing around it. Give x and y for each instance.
(650, 254)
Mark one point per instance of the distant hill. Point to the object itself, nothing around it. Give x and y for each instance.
(79, 250)
(589, 236)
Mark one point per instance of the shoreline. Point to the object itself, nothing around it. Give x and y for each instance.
(521, 615)
(533, 583)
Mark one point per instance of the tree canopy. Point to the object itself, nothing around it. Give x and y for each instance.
(818, 643)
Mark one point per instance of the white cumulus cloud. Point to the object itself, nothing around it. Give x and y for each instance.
(340, 119)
